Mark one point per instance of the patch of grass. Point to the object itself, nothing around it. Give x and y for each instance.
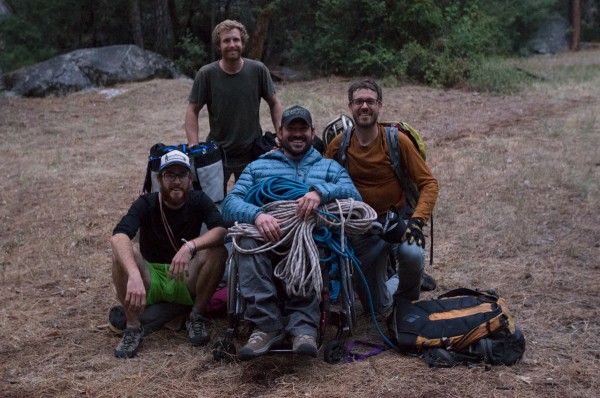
(499, 76)
(512, 75)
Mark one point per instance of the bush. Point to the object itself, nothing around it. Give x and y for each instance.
(427, 41)
(496, 75)
(190, 55)
(21, 44)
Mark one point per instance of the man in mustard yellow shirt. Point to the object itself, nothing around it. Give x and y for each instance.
(370, 167)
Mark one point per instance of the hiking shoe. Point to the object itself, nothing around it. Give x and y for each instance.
(132, 338)
(304, 344)
(197, 330)
(428, 283)
(259, 343)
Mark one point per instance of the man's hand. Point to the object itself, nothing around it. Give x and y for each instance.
(268, 226)
(180, 264)
(307, 205)
(414, 232)
(135, 298)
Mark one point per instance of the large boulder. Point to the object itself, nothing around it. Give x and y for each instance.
(88, 68)
(552, 38)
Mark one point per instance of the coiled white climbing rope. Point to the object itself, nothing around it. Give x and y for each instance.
(300, 267)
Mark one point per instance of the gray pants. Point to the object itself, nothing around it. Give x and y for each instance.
(373, 254)
(259, 290)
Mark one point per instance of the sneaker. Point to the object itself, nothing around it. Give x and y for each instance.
(132, 338)
(259, 343)
(197, 330)
(304, 344)
(428, 283)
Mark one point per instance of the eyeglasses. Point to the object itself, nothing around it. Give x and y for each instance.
(170, 177)
(361, 101)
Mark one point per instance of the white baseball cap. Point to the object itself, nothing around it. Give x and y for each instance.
(174, 157)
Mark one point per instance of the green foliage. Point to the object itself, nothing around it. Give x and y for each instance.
(20, 44)
(437, 42)
(497, 75)
(191, 55)
(60, 22)
(519, 20)
(434, 42)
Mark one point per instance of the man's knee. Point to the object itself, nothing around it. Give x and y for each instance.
(410, 258)
(118, 270)
(213, 258)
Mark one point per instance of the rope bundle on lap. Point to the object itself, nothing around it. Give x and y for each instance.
(300, 267)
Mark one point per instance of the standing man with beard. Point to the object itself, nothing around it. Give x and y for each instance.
(370, 167)
(298, 161)
(232, 88)
(172, 263)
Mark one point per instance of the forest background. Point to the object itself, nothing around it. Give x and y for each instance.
(443, 43)
(519, 171)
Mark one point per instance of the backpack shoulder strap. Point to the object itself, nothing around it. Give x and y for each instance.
(393, 143)
(391, 136)
(342, 155)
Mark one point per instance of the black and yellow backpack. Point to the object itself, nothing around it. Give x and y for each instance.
(461, 326)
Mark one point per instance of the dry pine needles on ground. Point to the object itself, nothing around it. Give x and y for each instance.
(518, 212)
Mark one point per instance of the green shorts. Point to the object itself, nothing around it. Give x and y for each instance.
(163, 289)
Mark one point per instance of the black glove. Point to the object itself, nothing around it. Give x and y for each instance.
(414, 232)
(394, 226)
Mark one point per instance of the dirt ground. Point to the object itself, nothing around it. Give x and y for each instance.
(518, 212)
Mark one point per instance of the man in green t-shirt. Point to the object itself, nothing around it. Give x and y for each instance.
(232, 88)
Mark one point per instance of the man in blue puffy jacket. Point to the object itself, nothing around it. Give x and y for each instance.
(298, 161)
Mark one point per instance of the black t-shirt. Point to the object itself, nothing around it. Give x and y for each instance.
(185, 222)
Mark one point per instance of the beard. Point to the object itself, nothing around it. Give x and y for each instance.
(296, 153)
(232, 55)
(174, 199)
(365, 124)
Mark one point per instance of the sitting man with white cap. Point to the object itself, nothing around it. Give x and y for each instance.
(172, 263)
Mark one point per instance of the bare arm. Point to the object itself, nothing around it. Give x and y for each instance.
(191, 123)
(181, 262)
(276, 111)
(135, 297)
(212, 238)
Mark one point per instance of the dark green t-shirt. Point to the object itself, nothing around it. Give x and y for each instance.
(233, 103)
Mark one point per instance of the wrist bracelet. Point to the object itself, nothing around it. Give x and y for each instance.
(190, 245)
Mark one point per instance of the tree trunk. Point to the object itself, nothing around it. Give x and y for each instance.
(174, 21)
(259, 36)
(135, 20)
(163, 43)
(575, 24)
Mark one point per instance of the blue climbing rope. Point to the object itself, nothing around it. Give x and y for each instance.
(332, 241)
(275, 188)
(282, 188)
